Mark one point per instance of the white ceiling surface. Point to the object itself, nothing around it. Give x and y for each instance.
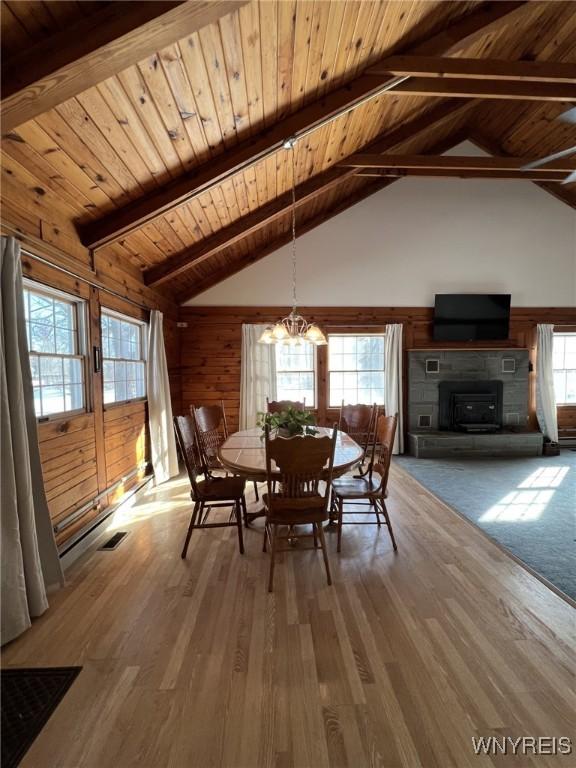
(420, 237)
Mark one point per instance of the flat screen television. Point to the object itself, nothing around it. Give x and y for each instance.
(471, 316)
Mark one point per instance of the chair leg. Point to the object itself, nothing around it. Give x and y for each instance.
(197, 505)
(315, 535)
(389, 524)
(256, 490)
(375, 505)
(340, 523)
(264, 541)
(272, 557)
(324, 552)
(245, 511)
(238, 508)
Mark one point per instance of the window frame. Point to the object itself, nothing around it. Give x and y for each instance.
(80, 306)
(368, 331)
(143, 330)
(563, 333)
(308, 406)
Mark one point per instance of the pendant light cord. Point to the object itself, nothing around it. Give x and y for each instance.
(293, 157)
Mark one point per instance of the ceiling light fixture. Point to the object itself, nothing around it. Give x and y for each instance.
(293, 329)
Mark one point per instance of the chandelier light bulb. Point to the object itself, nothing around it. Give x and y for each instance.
(266, 337)
(279, 332)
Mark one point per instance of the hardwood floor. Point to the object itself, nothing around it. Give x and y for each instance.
(400, 663)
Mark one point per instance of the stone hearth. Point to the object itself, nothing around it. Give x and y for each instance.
(429, 368)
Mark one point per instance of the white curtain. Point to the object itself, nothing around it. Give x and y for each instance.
(258, 375)
(162, 440)
(545, 398)
(393, 381)
(30, 560)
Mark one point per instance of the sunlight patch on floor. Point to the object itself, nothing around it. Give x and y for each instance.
(530, 499)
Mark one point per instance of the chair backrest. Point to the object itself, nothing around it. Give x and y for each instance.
(187, 440)
(359, 422)
(211, 429)
(301, 463)
(384, 444)
(275, 406)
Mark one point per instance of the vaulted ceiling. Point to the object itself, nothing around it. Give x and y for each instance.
(171, 157)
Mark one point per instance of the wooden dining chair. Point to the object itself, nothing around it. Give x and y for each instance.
(209, 492)
(212, 430)
(368, 491)
(275, 406)
(294, 494)
(359, 421)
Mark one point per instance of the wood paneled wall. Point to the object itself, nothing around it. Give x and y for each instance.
(89, 460)
(211, 345)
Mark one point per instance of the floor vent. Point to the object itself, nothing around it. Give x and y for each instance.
(114, 541)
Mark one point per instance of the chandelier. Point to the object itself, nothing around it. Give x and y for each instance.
(293, 329)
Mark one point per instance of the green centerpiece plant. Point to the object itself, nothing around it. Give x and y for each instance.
(288, 423)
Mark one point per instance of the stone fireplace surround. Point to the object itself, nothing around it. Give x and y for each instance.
(428, 368)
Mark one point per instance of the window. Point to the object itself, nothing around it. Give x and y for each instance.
(355, 369)
(564, 364)
(124, 360)
(55, 333)
(295, 372)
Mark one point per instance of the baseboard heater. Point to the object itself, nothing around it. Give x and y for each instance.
(96, 521)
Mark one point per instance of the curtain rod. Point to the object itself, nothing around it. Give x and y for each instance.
(82, 279)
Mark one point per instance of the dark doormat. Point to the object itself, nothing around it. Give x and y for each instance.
(29, 696)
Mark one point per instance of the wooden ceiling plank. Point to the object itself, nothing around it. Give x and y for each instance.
(177, 79)
(343, 52)
(56, 127)
(482, 69)
(197, 74)
(213, 52)
(126, 116)
(251, 33)
(235, 71)
(320, 21)
(251, 151)
(94, 49)
(171, 121)
(76, 118)
(39, 141)
(269, 54)
(332, 46)
(318, 185)
(454, 162)
(485, 89)
(100, 114)
(134, 86)
(302, 34)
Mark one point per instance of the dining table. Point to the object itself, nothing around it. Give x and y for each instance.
(244, 453)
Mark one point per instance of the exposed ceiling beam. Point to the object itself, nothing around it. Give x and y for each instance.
(305, 193)
(468, 30)
(485, 89)
(398, 173)
(134, 215)
(477, 69)
(217, 277)
(457, 163)
(369, 189)
(564, 193)
(95, 48)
